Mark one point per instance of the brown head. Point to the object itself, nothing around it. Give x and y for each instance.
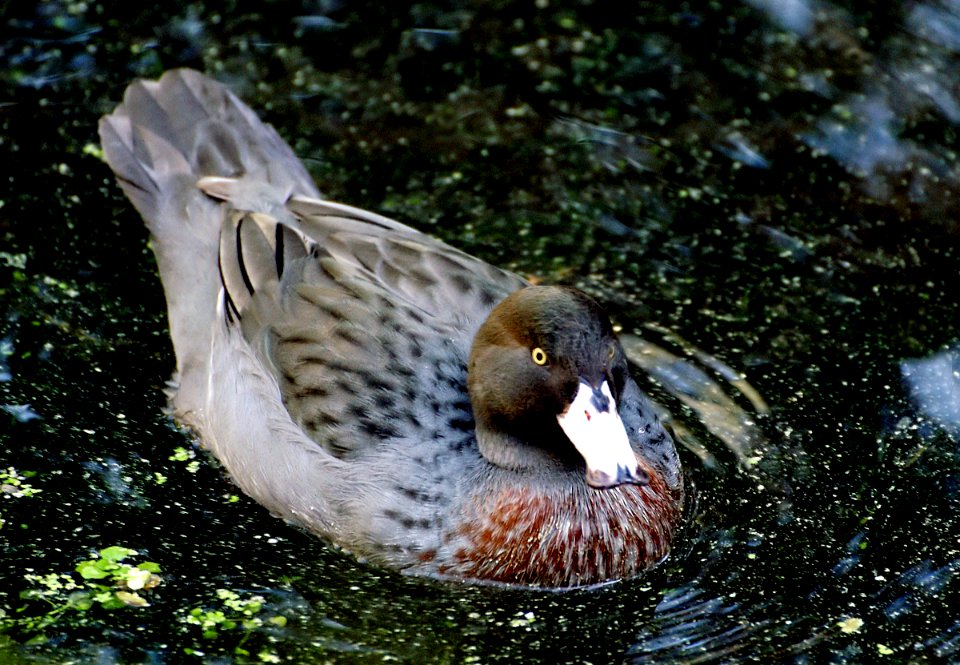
(546, 372)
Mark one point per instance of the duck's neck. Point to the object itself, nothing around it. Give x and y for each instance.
(509, 451)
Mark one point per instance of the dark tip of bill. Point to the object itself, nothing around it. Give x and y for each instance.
(636, 476)
(602, 481)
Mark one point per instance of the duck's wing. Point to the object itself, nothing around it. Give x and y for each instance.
(364, 323)
(411, 267)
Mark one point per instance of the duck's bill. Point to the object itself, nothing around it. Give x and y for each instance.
(592, 424)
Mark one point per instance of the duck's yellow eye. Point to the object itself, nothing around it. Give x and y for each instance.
(539, 356)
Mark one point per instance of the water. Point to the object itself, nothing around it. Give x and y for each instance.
(764, 194)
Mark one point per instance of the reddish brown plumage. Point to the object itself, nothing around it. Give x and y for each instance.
(545, 536)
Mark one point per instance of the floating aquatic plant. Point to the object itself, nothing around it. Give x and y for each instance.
(13, 485)
(105, 581)
(234, 612)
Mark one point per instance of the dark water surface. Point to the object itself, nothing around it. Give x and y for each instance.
(764, 186)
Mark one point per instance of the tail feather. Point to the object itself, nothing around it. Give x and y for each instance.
(165, 137)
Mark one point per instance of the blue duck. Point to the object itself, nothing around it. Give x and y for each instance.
(409, 403)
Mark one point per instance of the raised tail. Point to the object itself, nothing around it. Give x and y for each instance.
(163, 138)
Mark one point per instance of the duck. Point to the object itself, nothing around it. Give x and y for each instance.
(410, 404)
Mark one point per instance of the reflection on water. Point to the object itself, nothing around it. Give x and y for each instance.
(934, 384)
(938, 23)
(867, 130)
(774, 183)
(794, 15)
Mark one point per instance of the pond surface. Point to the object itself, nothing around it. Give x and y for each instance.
(764, 194)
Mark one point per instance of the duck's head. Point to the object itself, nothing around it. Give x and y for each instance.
(545, 376)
